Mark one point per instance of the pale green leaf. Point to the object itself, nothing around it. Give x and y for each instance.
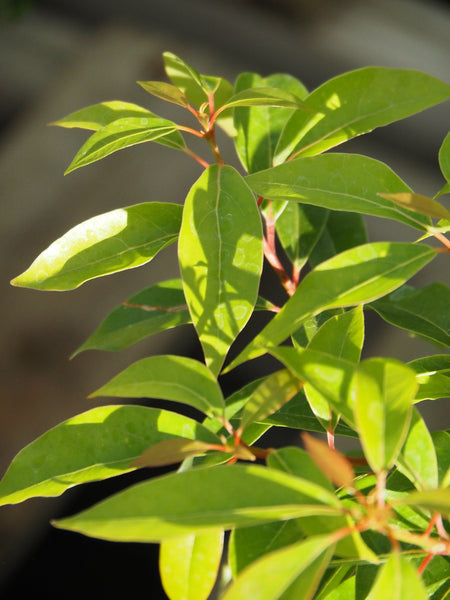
(433, 376)
(356, 276)
(220, 255)
(419, 203)
(423, 312)
(165, 91)
(94, 445)
(357, 102)
(270, 576)
(437, 500)
(265, 96)
(224, 497)
(124, 133)
(398, 579)
(114, 241)
(382, 393)
(344, 182)
(98, 115)
(175, 378)
(444, 158)
(189, 565)
(156, 308)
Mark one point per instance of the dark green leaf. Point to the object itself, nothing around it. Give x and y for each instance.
(95, 445)
(98, 115)
(220, 255)
(441, 440)
(114, 241)
(175, 378)
(424, 312)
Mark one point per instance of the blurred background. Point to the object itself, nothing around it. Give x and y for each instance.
(57, 56)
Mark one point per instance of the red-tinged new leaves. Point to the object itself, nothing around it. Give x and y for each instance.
(332, 463)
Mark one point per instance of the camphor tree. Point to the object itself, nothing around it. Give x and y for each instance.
(304, 523)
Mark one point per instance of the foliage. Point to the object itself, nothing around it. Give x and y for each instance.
(305, 523)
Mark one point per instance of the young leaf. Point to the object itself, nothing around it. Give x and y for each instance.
(273, 392)
(189, 565)
(224, 497)
(417, 460)
(419, 203)
(334, 465)
(270, 576)
(423, 312)
(220, 255)
(169, 452)
(156, 308)
(258, 128)
(384, 95)
(114, 241)
(175, 378)
(356, 276)
(165, 91)
(444, 158)
(124, 133)
(382, 393)
(95, 445)
(433, 376)
(344, 182)
(397, 579)
(265, 96)
(98, 115)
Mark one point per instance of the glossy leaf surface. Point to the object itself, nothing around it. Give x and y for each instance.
(383, 95)
(94, 445)
(188, 565)
(96, 116)
(220, 255)
(345, 182)
(356, 276)
(433, 376)
(175, 378)
(114, 241)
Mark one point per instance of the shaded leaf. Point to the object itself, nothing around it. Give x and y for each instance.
(175, 378)
(343, 182)
(220, 255)
(382, 393)
(224, 497)
(170, 451)
(384, 95)
(437, 500)
(398, 579)
(444, 158)
(433, 376)
(189, 565)
(441, 440)
(419, 203)
(165, 91)
(156, 308)
(94, 445)
(114, 241)
(356, 276)
(96, 116)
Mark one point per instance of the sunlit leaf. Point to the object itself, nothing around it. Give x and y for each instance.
(344, 182)
(419, 203)
(397, 580)
(265, 96)
(423, 312)
(356, 276)
(94, 445)
(121, 239)
(175, 378)
(165, 91)
(98, 115)
(189, 565)
(433, 376)
(444, 158)
(382, 393)
(332, 463)
(220, 255)
(384, 95)
(169, 452)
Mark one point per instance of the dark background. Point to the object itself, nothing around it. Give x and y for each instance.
(59, 55)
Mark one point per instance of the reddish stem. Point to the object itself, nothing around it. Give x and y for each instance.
(443, 240)
(423, 565)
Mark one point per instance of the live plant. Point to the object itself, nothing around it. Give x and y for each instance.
(305, 521)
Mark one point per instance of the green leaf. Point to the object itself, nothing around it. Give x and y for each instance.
(98, 115)
(265, 96)
(357, 102)
(382, 393)
(299, 228)
(277, 389)
(188, 565)
(270, 576)
(441, 440)
(341, 336)
(95, 445)
(433, 376)
(165, 91)
(423, 312)
(356, 276)
(169, 452)
(397, 579)
(114, 241)
(419, 203)
(444, 158)
(437, 500)
(124, 133)
(156, 308)
(258, 128)
(220, 255)
(417, 460)
(224, 497)
(344, 182)
(175, 378)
